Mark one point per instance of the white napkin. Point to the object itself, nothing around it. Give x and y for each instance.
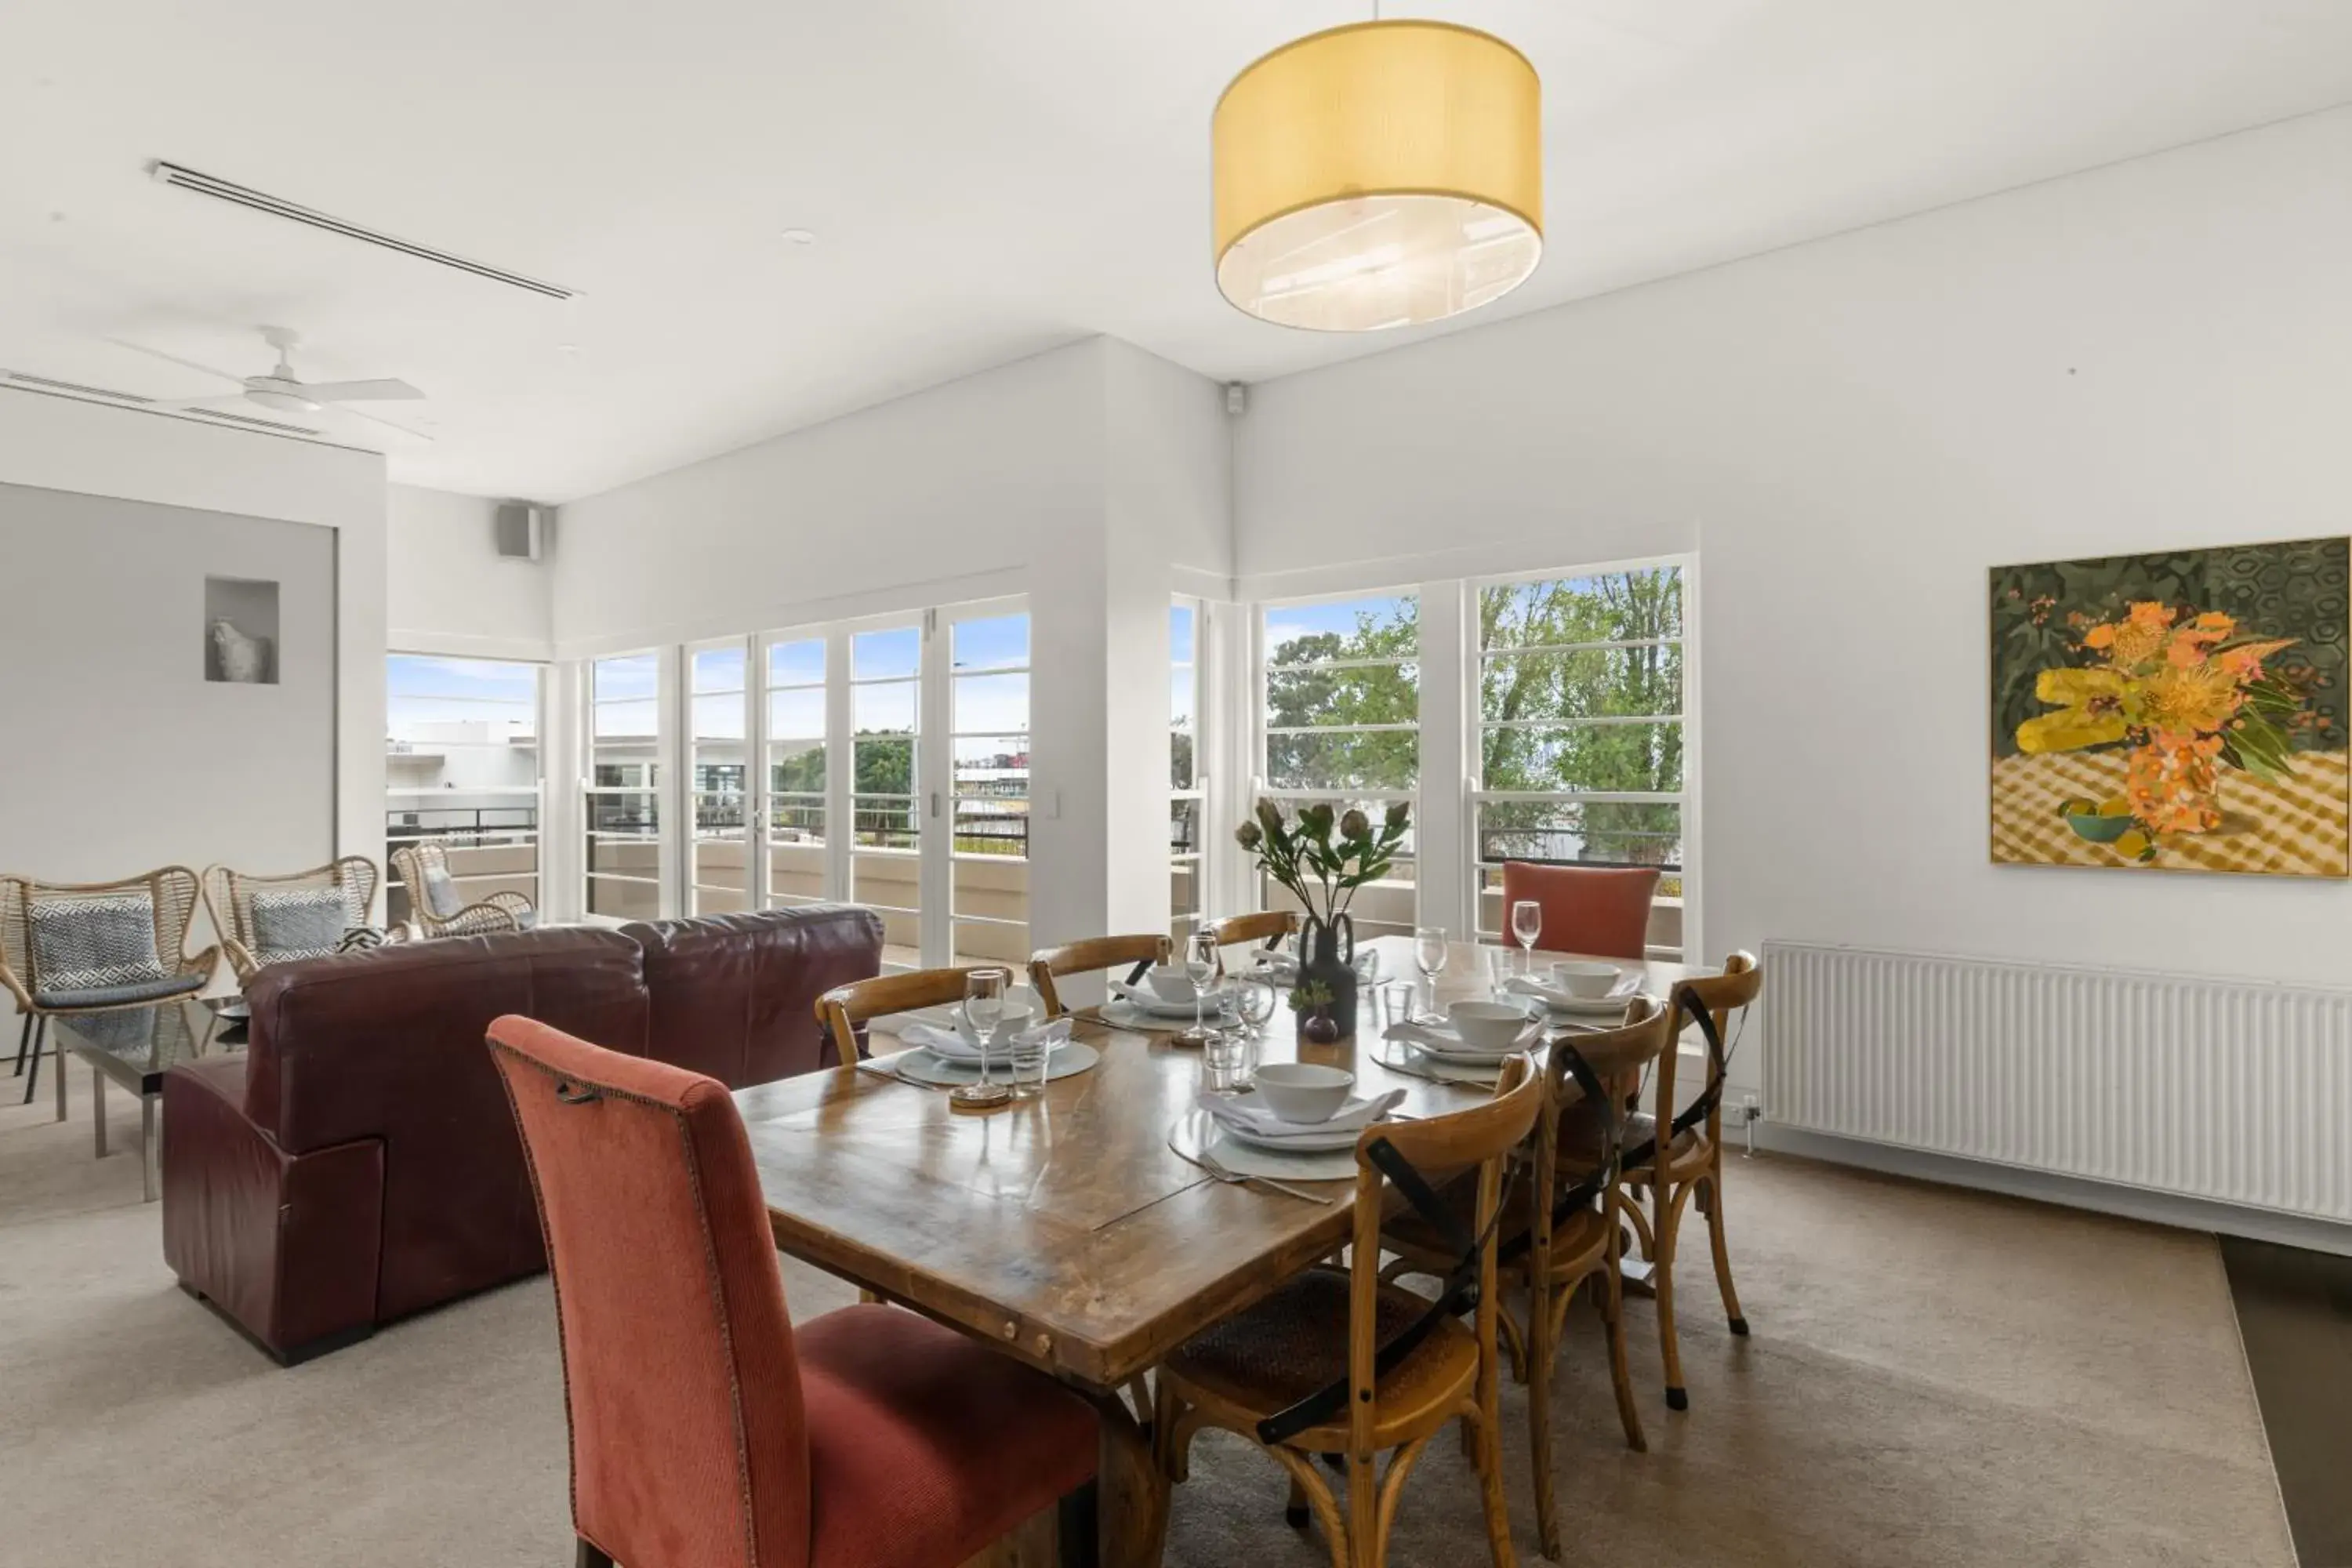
(1354, 1115)
(1561, 997)
(1439, 1040)
(949, 1045)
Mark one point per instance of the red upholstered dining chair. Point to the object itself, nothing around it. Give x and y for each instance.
(706, 1431)
(1603, 911)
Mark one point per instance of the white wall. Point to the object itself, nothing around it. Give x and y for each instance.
(448, 591)
(1851, 432)
(60, 444)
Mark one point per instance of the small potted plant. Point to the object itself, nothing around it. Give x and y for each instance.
(1322, 859)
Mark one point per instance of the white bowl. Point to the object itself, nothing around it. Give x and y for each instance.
(1170, 983)
(1582, 977)
(1487, 1026)
(1304, 1092)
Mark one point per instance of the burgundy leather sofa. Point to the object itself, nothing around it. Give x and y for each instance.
(358, 1162)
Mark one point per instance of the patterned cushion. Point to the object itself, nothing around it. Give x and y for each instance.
(298, 922)
(441, 895)
(87, 942)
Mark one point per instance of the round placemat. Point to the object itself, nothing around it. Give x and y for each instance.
(919, 1066)
(1197, 1131)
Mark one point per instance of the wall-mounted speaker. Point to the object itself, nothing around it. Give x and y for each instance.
(523, 529)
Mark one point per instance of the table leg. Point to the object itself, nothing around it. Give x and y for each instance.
(1132, 1493)
(98, 1108)
(147, 1147)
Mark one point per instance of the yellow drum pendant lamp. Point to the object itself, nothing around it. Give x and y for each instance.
(1378, 175)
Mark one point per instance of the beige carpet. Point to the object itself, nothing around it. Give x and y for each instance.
(1935, 1377)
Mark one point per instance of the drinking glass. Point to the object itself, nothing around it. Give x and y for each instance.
(1396, 1002)
(1527, 924)
(1498, 962)
(1030, 1058)
(1200, 968)
(1257, 998)
(1229, 1056)
(1429, 956)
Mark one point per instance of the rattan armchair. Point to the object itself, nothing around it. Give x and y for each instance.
(229, 895)
(420, 864)
(109, 985)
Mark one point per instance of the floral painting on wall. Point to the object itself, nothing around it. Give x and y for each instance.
(2180, 711)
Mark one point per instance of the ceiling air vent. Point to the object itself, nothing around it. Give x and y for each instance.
(55, 388)
(278, 206)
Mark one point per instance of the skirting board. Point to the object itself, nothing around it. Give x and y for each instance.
(2072, 1192)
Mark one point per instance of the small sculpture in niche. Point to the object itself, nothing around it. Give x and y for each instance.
(240, 659)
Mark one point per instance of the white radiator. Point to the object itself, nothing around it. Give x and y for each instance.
(2228, 1091)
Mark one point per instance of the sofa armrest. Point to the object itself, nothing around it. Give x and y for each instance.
(286, 1246)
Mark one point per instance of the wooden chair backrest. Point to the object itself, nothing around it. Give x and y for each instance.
(1617, 1056)
(1091, 956)
(1479, 1137)
(841, 1009)
(1265, 928)
(1719, 997)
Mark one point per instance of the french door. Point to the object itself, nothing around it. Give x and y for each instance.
(883, 762)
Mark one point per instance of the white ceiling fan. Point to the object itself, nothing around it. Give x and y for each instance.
(281, 390)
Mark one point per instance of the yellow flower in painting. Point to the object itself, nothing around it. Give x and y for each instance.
(2092, 714)
(2193, 700)
(2151, 614)
(2244, 662)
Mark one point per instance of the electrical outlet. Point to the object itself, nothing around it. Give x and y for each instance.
(1750, 1108)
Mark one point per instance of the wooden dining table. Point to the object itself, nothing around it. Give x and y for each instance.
(1065, 1230)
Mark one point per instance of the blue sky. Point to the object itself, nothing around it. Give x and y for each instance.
(1285, 622)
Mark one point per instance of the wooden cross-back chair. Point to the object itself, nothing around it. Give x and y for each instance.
(1560, 1226)
(1134, 953)
(845, 1009)
(172, 893)
(1269, 928)
(1683, 1159)
(229, 893)
(1340, 1360)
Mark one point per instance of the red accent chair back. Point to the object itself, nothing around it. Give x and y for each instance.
(1603, 911)
(688, 1443)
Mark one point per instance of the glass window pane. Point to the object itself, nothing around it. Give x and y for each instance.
(889, 708)
(633, 720)
(1180, 634)
(719, 669)
(998, 642)
(1344, 760)
(1385, 908)
(1585, 683)
(1626, 759)
(898, 651)
(796, 715)
(1617, 606)
(1380, 627)
(991, 704)
(1349, 695)
(886, 764)
(796, 663)
(719, 717)
(796, 767)
(634, 674)
(1181, 760)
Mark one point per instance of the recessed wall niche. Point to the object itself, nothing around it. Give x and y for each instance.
(241, 631)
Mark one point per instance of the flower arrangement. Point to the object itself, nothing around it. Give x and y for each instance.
(1320, 870)
(2190, 696)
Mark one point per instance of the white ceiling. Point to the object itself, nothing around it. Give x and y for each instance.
(986, 179)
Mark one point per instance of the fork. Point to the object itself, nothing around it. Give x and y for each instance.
(1217, 1170)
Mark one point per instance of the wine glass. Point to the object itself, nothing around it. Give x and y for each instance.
(984, 1009)
(1527, 924)
(1200, 968)
(1258, 1000)
(1429, 956)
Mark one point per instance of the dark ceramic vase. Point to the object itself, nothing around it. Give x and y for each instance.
(1327, 957)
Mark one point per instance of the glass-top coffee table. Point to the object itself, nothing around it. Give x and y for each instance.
(134, 1047)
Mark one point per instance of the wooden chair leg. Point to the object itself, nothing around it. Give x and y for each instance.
(591, 1557)
(1540, 1356)
(1712, 1181)
(1611, 1301)
(1303, 1480)
(33, 1073)
(1294, 1508)
(1363, 1509)
(1490, 1480)
(1668, 1223)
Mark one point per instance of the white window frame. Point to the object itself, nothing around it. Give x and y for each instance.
(1197, 793)
(667, 792)
(1472, 681)
(534, 794)
(690, 789)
